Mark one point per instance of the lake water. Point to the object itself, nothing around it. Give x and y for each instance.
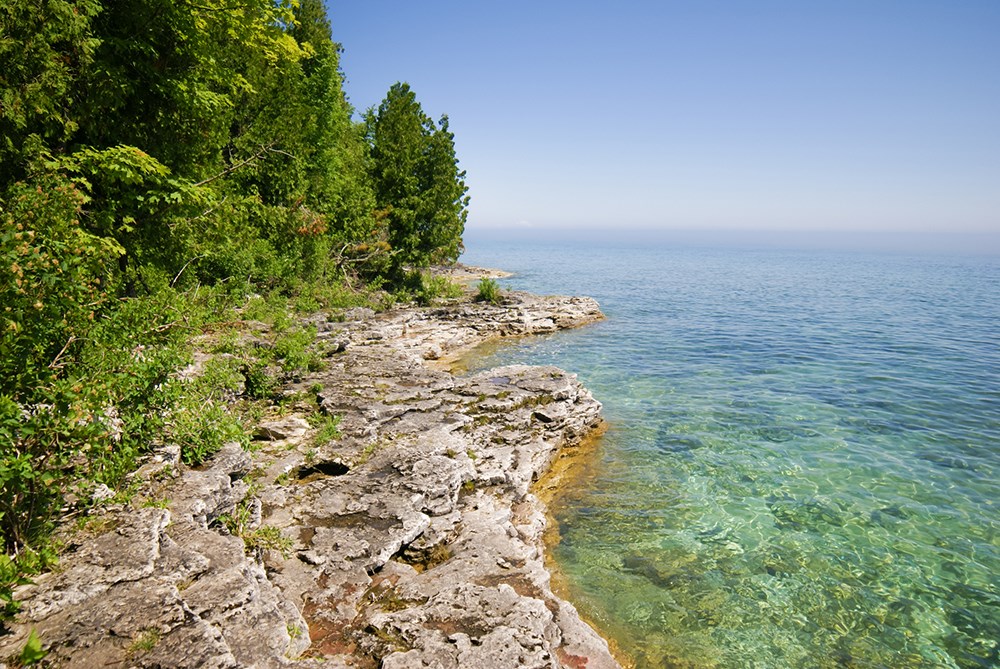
(801, 468)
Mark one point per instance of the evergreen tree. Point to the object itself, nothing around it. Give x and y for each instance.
(44, 46)
(340, 187)
(445, 200)
(417, 181)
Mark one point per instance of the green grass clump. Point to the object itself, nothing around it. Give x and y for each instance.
(259, 539)
(327, 428)
(144, 641)
(267, 537)
(489, 291)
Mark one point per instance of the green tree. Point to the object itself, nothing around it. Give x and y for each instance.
(446, 202)
(196, 87)
(44, 46)
(338, 171)
(417, 180)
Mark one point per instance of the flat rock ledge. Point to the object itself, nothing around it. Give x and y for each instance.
(412, 540)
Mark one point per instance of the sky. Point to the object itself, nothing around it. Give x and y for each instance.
(707, 115)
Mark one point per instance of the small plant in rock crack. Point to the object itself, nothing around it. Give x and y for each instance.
(327, 428)
(258, 539)
(144, 641)
(268, 537)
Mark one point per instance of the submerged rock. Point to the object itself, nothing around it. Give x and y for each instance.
(415, 538)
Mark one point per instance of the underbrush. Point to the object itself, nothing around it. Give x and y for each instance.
(91, 381)
(84, 416)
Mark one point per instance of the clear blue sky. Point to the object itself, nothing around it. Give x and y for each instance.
(754, 114)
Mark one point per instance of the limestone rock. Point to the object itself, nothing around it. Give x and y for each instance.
(290, 427)
(416, 539)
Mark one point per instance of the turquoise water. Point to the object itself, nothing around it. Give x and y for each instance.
(801, 468)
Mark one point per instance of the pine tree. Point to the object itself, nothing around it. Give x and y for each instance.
(417, 180)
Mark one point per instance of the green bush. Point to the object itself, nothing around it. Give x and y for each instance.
(292, 349)
(53, 286)
(489, 291)
(10, 578)
(258, 383)
(433, 287)
(202, 427)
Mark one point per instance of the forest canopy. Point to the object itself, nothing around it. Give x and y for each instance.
(161, 161)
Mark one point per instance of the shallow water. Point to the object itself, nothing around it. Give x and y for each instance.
(801, 468)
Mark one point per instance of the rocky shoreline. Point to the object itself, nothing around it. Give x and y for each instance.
(412, 540)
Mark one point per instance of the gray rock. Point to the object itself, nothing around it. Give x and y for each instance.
(290, 427)
(417, 541)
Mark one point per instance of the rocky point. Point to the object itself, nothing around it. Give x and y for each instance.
(412, 540)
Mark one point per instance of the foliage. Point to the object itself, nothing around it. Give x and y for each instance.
(44, 45)
(51, 291)
(417, 181)
(11, 576)
(172, 166)
(144, 641)
(291, 349)
(489, 291)
(434, 287)
(202, 428)
(258, 383)
(268, 537)
(327, 428)
(425, 287)
(255, 539)
(32, 651)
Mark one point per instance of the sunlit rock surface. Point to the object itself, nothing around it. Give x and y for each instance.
(415, 539)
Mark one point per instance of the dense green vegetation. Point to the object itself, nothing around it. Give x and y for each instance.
(489, 291)
(162, 164)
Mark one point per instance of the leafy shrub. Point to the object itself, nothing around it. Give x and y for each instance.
(434, 286)
(32, 651)
(258, 383)
(489, 291)
(42, 441)
(55, 275)
(11, 576)
(291, 348)
(202, 428)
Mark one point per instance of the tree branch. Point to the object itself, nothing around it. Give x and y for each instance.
(232, 168)
(55, 361)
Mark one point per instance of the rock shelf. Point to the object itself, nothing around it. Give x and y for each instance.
(412, 540)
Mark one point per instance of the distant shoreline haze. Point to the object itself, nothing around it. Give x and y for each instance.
(961, 243)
